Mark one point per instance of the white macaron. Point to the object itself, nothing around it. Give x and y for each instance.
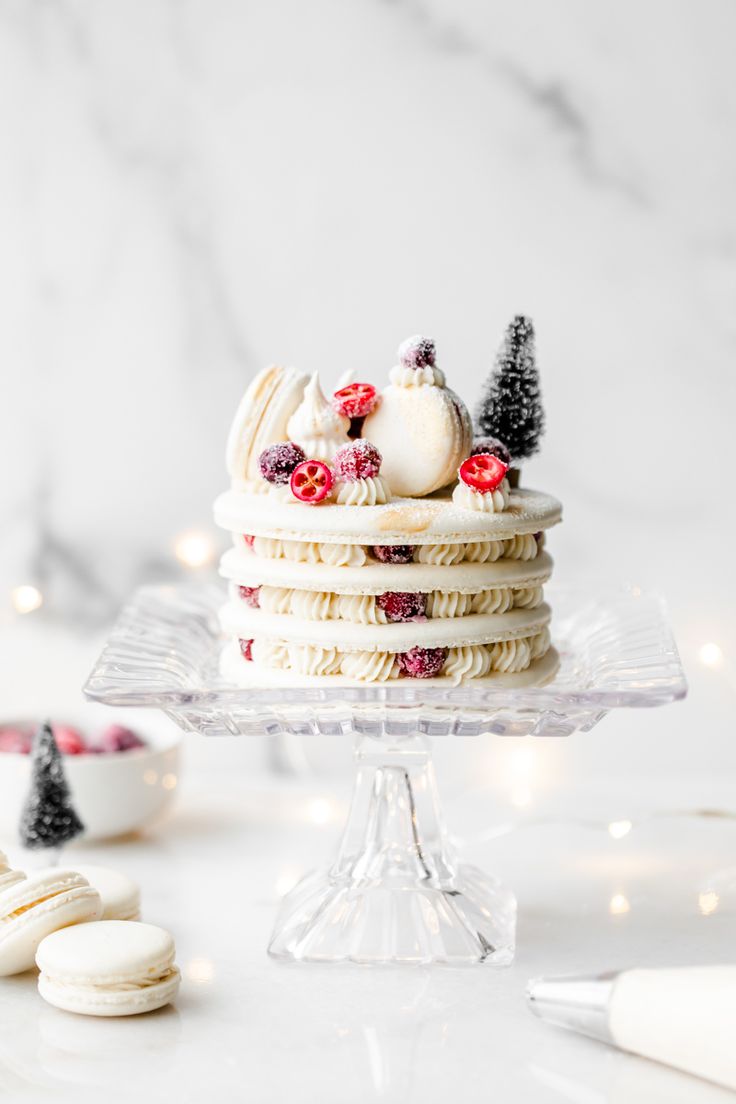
(8, 876)
(111, 968)
(32, 908)
(121, 897)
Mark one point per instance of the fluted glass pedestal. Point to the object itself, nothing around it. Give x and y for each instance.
(396, 892)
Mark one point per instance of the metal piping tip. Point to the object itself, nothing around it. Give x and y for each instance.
(577, 1003)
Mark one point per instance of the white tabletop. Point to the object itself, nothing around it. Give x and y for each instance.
(246, 1028)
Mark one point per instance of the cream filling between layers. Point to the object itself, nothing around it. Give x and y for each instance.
(315, 605)
(523, 547)
(464, 662)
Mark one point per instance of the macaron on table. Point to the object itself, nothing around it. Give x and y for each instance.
(387, 580)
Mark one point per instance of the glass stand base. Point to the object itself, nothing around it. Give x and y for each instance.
(395, 893)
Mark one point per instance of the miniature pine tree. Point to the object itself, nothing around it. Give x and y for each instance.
(48, 818)
(510, 408)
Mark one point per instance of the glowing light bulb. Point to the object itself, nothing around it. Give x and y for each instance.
(710, 654)
(617, 829)
(26, 598)
(619, 905)
(169, 781)
(200, 970)
(708, 902)
(194, 549)
(319, 811)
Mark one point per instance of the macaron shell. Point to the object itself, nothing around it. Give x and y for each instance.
(111, 952)
(121, 899)
(88, 1001)
(430, 520)
(423, 435)
(246, 569)
(21, 936)
(261, 418)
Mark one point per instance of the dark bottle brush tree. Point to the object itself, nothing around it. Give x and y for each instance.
(510, 407)
(49, 819)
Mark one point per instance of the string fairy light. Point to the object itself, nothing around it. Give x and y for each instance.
(194, 549)
(619, 905)
(710, 654)
(708, 902)
(26, 598)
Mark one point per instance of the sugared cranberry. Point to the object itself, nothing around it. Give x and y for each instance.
(118, 738)
(248, 538)
(491, 446)
(356, 400)
(417, 352)
(393, 553)
(422, 662)
(482, 472)
(246, 650)
(69, 740)
(402, 606)
(16, 740)
(311, 481)
(250, 595)
(277, 462)
(358, 460)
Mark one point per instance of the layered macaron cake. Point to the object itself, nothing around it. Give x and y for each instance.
(374, 539)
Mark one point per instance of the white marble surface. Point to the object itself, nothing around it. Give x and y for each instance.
(190, 190)
(247, 1028)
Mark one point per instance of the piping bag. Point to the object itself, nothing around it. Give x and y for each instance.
(683, 1017)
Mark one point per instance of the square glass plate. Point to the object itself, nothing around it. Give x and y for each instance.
(396, 893)
(615, 645)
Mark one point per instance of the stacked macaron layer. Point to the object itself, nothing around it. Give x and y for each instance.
(375, 539)
(361, 594)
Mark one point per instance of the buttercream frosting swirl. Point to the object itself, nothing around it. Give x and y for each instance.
(316, 425)
(343, 555)
(493, 601)
(485, 551)
(470, 661)
(528, 597)
(439, 553)
(270, 653)
(275, 599)
(429, 375)
(450, 603)
(361, 608)
(511, 655)
(312, 659)
(485, 502)
(369, 666)
(371, 491)
(540, 643)
(521, 547)
(313, 605)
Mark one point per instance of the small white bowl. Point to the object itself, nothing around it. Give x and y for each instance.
(113, 793)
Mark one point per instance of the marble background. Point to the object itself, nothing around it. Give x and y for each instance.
(189, 190)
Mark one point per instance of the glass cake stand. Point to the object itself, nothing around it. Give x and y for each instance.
(396, 892)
